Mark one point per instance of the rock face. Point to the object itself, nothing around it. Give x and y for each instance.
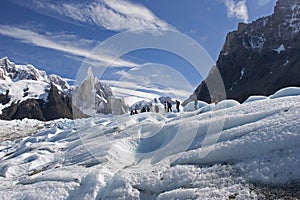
(56, 106)
(4, 98)
(27, 109)
(261, 57)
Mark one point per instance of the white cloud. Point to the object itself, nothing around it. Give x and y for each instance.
(69, 44)
(116, 15)
(238, 10)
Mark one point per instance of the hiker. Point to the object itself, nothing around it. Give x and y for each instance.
(143, 110)
(135, 111)
(148, 108)
(169, 106)
(131, 112)
(156, 108)
(165, 104)
(177, 105)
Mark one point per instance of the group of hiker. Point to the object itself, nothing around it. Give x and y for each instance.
(167, 106)
(144, 109)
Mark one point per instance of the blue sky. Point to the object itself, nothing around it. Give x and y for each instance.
(56, 36)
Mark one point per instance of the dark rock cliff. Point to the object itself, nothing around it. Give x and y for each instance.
(57, 106)
(259, 58)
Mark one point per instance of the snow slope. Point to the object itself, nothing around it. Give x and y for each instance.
(160, 156)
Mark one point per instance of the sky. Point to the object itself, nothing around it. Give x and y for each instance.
(58, 36)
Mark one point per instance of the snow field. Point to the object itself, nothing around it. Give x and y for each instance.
(159, 156)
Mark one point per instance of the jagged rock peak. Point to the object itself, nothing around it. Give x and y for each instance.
(90, 74)
(92, 97)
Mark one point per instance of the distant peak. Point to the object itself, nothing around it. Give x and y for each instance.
(4, 58)
(90, 72)
(15, 72)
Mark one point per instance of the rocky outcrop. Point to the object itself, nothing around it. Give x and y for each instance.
(5, 98)
(30, 109)
(57, 106)
(259, 58)
(114, 106)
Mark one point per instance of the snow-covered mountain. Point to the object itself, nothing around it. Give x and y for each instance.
(26, 92)
(254, 154)
(25, 81)
(11, 72)
(261, 57)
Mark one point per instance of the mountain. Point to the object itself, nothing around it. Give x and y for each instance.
(91, 96)
(259, 58)
(26, 92)
(11, 72)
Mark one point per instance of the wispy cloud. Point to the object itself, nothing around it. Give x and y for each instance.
(66, 43)
(116, 15)
(238, 10)
(129, 89)
(263, 2)
(152, 78)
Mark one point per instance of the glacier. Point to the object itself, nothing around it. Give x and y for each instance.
(159, 155)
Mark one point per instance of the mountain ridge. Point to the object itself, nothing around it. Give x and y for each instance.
(258, 58)
(26, 92)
